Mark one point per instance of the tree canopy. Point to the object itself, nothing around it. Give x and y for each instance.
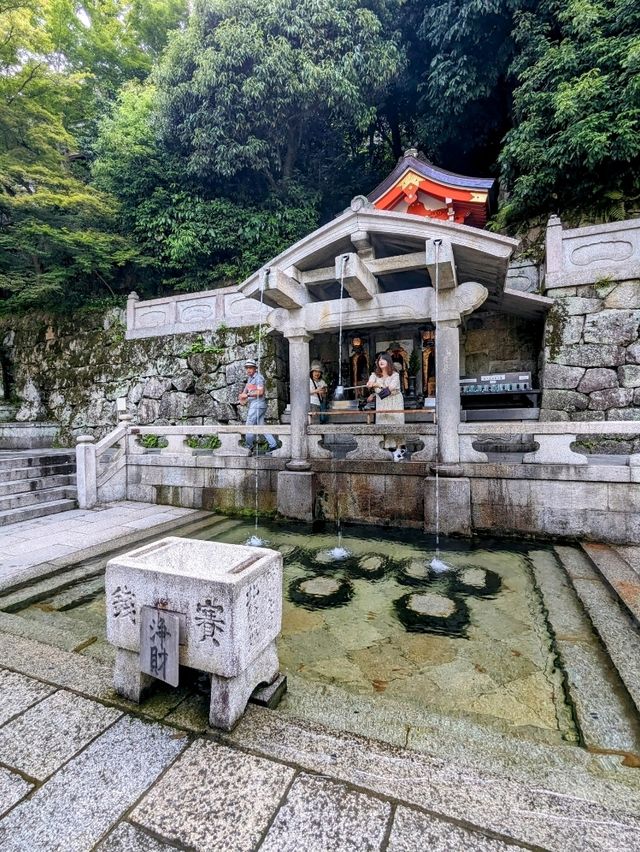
(145, 145)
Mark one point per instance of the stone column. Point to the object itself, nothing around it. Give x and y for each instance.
(86, 471)
(448, 390)
(132, 300)
(296, 485)
(554, 262)
(299, 393)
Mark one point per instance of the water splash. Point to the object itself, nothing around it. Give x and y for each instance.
(256, 541)
(339, 553)
(438, 566)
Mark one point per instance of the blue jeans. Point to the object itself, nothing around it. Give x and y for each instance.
(255, 417)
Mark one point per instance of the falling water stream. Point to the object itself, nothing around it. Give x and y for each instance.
(436, 563)
(255, 540)
(339, 552)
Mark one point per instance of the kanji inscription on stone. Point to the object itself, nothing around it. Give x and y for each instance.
(159, 644)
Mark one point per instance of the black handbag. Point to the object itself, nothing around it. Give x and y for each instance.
(384, 393)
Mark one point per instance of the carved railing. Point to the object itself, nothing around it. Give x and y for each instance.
(554, 440)
(369, 440)
(102, 466)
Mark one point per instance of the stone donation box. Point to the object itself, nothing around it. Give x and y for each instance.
(213, 607)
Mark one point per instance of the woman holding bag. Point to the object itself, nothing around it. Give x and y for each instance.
(385, 387)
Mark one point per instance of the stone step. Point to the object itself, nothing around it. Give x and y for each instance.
(603, 710)
(13, 474)
(27, 513)
(53, 584)
(620, 576)
(57, 629)
(33, 498)
(68, 637)
(31, 460)
(77, 594)
(35, 483)
(617, 631)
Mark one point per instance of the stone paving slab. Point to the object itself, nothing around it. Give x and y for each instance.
(53, 665)
(413, 831)
(30, 548)
(12, 789)
(81, 802)
(605, 812)
(44, 737)
(128, 838)
(18, 693)
(322, 816)
(215, 799)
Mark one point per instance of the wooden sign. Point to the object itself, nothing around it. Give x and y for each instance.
(160, 644)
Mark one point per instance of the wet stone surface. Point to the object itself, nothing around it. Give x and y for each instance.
(431, 604)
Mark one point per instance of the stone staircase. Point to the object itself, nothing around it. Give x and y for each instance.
(607, 582)
(36, 483)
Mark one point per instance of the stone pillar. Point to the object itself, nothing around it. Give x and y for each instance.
(86, 471)
(553, 252)
(299, 393)
(131, 310)
(448, 390)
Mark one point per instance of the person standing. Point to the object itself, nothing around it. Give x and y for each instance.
(253, 396)
(317, 389)
(385, 384)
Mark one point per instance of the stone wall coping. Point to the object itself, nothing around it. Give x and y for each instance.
(382, 429)
(605, 228)
(573, 427)
(190, 297)
(215, 429)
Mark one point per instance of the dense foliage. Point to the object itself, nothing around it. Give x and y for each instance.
(142, 146)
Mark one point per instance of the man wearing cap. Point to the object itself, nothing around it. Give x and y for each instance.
(317, 388)
(253, 395)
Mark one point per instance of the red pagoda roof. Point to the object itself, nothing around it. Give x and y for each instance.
(417, 186)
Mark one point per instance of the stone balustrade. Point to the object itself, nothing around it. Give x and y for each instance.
(553, 439)
(191, 312)
(578, 256)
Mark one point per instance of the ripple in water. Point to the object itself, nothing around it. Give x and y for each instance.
(256, 541)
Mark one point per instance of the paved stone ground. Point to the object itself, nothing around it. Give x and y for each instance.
(77, 773)
(82, 769)
(30, 549)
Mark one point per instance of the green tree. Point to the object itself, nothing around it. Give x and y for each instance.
(256, 86)
(58, 235)
(575, 144)
(256, 112)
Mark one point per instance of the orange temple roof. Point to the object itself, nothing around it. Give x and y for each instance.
(417, 186)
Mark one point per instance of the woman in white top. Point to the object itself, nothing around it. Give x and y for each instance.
(317, 389)
(385, 384)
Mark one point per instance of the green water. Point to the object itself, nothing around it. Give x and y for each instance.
(478, 644)
(472, 641)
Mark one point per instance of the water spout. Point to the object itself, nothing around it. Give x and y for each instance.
(256, 541)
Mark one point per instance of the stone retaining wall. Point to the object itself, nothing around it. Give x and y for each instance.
(589, 502)
(592, 353)
(72, 372)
